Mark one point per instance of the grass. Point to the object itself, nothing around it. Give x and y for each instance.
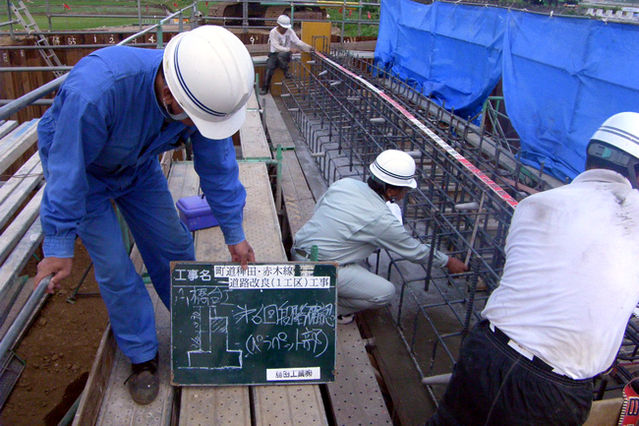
(38, 8)
(337, 14)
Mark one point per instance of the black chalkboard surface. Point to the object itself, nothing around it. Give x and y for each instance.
(270, 324)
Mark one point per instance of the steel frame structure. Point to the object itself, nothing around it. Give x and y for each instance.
(458, 207)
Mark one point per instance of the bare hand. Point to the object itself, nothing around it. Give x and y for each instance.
(456, 266)
(242, 252)
(60, 267)
(294, 50)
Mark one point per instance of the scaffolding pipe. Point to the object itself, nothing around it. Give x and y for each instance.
(29, 98)
(11, 22)
(10, 338)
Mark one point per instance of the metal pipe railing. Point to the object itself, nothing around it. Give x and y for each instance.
(14, 331)
(10, 338)
(29, 98)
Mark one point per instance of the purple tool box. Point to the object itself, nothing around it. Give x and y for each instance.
(195, 212)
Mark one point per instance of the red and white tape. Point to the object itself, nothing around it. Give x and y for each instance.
(439, 141)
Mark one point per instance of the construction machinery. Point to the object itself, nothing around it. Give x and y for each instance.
(265, 13)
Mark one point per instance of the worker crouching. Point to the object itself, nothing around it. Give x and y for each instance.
(353, 219)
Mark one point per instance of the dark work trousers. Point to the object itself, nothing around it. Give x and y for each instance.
(492, 384)
(275, 60)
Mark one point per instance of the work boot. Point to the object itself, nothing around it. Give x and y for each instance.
(144, 383)
(267, 81)
(345, 319)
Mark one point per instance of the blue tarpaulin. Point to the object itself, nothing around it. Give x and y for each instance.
(426, 44)
(562, 77)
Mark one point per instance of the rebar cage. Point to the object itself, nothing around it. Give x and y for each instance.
(348, 111)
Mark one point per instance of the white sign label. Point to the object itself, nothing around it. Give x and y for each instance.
(299, 373)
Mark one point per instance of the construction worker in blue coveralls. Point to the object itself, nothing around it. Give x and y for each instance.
(99, 143)
(353, 219)
(283, 42)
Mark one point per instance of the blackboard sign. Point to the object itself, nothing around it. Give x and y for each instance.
(269, 324)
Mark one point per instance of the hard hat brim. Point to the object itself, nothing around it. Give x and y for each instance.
(221, 129)
(379, 174)
(288, 27)
(210, 126)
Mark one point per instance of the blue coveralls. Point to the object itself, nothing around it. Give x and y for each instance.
(99, 143)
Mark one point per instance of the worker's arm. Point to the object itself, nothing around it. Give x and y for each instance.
(66, 146)
(215, 163)
(299, 43)
(391, 235)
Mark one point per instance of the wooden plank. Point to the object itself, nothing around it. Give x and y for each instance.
(6, 127)
(288, 405)
(228, 405)
(252, 137)
(14, 263)
(207, 405)
(117, 406)
(110, 363)
(252, 103)
(275, 124)
(284, 404)
(355, 393)
(20, 186)
(16, 143)
(605, 412)
(20, 225)
(411, 402)
(298, 199)
(91, 399)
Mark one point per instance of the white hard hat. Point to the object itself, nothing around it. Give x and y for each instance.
(394, 167)
(210, 74)
(621, 131)
(284, 21)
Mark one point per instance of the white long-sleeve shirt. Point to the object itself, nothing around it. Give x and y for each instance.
(282, 42)
(571, 278)
(351, 221)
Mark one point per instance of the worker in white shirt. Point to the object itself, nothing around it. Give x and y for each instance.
(282, 42)
(568, 288)
(353, 219)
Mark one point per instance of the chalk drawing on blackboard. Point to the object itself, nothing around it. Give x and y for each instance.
(267, 324)
(212, 332)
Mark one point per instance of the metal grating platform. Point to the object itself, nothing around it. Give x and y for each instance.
(355, 380)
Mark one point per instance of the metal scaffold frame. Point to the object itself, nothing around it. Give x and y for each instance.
(468, 186)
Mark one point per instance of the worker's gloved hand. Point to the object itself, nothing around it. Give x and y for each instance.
(456, 266)
(59, 267)
(242, 252)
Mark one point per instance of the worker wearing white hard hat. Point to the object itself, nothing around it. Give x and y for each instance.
(99, 143)
(282, 42)
(565, 298)
(353, 219)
